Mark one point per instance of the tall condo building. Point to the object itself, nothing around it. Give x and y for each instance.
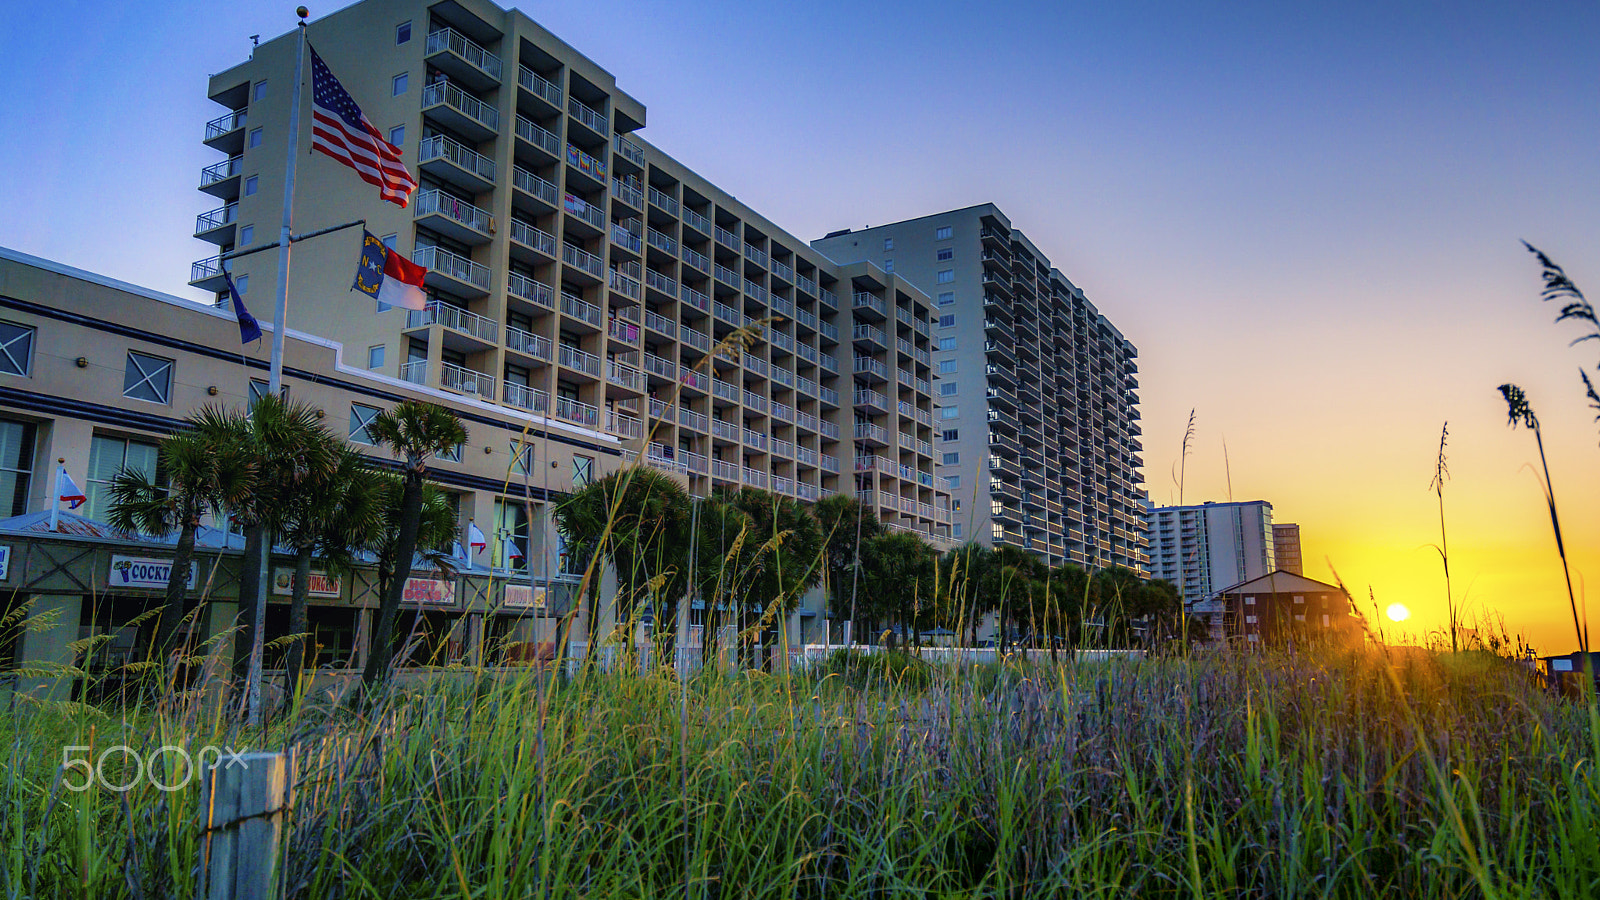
(1209, 548)
(576, 274)
(1286, 547)
(1038, 420)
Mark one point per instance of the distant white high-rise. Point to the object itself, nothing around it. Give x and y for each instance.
(1208, 548)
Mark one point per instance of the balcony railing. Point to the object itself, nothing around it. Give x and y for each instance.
(579, 258)
(625, 425)
(581, 360)
(225, 123)
(447, 94)
(532, 184)
(524, 397)
(629, 150)
(663, 200)
(624, 375)
(659, 282)
(539, 136)
(864, 300)
(586, 114)
(216, 218)
(465, 380)
(695, 298)
(530, 236)
(576, 411)
(829, 429)
(660, 366)
(696, 221)
(755, 254)
(526, 342)
(538, 85)
(449, 316)
(697, 259)
(627, 193)
(593, 167)
(755, 402)
(660, 324)
(622, 284)
(458, 267)
(459, 44)
(726, 238)
(580, 309)
(661, 241)
(221, 171)
(583, 209)
(536, 292)
(432, 203)
(440, 147)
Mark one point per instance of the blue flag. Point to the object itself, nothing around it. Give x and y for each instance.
(249, 328)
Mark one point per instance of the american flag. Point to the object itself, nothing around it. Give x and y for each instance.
(340, 130)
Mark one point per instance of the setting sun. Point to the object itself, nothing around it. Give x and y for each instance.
(1397, 612)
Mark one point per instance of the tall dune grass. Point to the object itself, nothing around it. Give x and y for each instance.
(1339, 774)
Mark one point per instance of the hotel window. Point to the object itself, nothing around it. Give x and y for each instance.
(375, 357)
(250, 185)
(947, 343)
(888, 244)
(949, 412)
(255, 138)
(147, 377)
(402, 32)
(16, 349)
(947, 366)
(947, 388)
(942, 233)
(950, 434)
(951, 459)
(521, 456)
(247, 235)
(361, 422)
(400, 82)
(954, 481)
(888, 265)
(107, 457)
(259, 389)
(261, 90)
(582, 470)
(397, 135)
(511, 534)
(947, 298)
(946, 253)
(16, 465)
(242, 284)
(945, 276)
(956, 529)
(452, 454)
(947, 321)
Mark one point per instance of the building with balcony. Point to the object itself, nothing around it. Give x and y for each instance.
(576, 273)
(1206, 548)
(1286, 547)
(1037, 425)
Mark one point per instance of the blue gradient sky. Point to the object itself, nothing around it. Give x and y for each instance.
(1306, 218)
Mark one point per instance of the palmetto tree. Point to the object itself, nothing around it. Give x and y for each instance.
(898, 572)
(785, 558)
(333, 514)
(846, 525)
(647, 542)
(415, 432)
(289, 449)
(207, 470)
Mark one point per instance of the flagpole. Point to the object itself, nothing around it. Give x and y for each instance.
(55, 490)
(275, 379)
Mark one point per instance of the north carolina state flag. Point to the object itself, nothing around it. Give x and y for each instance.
(388, 277)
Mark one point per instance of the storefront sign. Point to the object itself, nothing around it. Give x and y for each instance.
(523, 596)
(5, 561)
(141, 572)
(429, 592)
(320, 584)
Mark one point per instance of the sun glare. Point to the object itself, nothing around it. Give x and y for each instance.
(1397, 612)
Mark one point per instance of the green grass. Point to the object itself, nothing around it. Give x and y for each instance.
(1336, 775)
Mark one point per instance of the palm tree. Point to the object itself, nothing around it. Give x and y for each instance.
(785, 558)
(898, 573)
(647, 542)
(973, 586)
(413, 431)
(289, 448)
(207, 470)
(333, 514)
(846, 524)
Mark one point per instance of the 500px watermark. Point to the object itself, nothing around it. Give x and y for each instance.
(139, 769)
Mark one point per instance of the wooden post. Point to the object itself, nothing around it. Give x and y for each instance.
(242, 803)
